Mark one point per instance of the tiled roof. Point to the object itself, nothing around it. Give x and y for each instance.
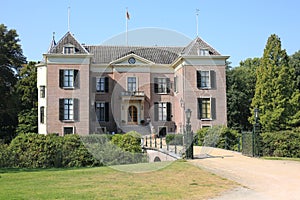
(68, 39)
(196, 44)
(106, 54)
(161, 55)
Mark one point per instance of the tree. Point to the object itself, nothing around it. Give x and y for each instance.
(11, 59)
(274, 87)
(295, 100)
(28, 95)
(240, 90)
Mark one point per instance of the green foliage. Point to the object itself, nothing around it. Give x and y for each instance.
(281, 143)
(218, 136)
(174, 139)
(6, 157)
(27, 121)
(130, 142)
(274, 87)
(240, 87)
(42, 151)
(11, 58)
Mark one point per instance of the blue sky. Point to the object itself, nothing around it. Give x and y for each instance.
(233, 27)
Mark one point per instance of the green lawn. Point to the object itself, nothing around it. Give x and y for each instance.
(179, 180)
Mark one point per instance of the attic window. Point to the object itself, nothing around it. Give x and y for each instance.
(203, 52)
(69, 49)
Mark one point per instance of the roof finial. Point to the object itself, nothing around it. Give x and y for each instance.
(197, 15)
(53, 36)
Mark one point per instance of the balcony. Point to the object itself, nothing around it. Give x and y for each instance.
(133, 95)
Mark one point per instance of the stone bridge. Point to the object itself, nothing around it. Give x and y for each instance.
(160, 155)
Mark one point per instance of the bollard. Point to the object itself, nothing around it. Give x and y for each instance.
(150, 141)
(175, 148)
(155, 144)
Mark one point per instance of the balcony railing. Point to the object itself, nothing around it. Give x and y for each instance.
(133, 94)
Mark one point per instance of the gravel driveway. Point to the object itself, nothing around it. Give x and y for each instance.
(259, 178)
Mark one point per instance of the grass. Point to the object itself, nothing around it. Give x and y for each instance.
(282, 158)
(179, 180)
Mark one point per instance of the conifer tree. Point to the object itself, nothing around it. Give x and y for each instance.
(275, 86)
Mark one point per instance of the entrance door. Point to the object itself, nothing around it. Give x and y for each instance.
(132, 115)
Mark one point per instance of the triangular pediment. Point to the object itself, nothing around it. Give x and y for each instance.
(131, 59)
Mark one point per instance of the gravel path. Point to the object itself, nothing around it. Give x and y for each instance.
(259, 178)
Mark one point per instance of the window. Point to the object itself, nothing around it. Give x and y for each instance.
(42, 91)
(203, 52)
(102, 111)
(68, 109)
(68, 78)
(68, 130)
(42, 114)
(206, 79)
(102, 84)
(162, 111)
(131, 84)
(175, 84)
(162, 85)
(69, 49)
(206, 108)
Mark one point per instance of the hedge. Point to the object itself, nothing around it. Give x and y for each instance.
(281, 144)
(45, 151)
(218, 136)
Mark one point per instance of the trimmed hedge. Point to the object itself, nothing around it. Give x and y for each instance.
(218, 136)
(44, 151)
(281, 144)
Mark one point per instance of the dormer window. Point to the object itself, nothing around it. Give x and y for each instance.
(203, 52)
(69, 49)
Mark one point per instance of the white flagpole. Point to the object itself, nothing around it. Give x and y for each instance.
(69, 19)
(197, 15)
(127, 26)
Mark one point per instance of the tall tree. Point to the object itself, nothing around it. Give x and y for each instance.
(240, 90)
(11, 59)
(295, 101)
(27, 91)
(274, 87)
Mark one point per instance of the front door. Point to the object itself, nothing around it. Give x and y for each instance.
(132, 115)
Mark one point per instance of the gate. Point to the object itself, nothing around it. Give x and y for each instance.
(247, 144)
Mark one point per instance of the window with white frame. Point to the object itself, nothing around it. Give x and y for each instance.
(42, 91)
(100, 84)
(69, 49)
(162, 111)
(42, 114)
(102, 111)
(131, 84)
(204, 108)
(203, 79)
(162, 85)
(68, 78)
(68, 109)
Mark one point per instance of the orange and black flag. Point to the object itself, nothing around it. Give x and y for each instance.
(127, 15)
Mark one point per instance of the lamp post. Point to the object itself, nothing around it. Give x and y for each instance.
(255, 142)
(189, 135)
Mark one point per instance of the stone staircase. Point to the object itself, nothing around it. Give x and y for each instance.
(143, 130)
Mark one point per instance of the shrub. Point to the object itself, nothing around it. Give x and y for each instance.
(218, 136)
(6, 157)
(281, 144)
(130, 142)
(174, 139)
